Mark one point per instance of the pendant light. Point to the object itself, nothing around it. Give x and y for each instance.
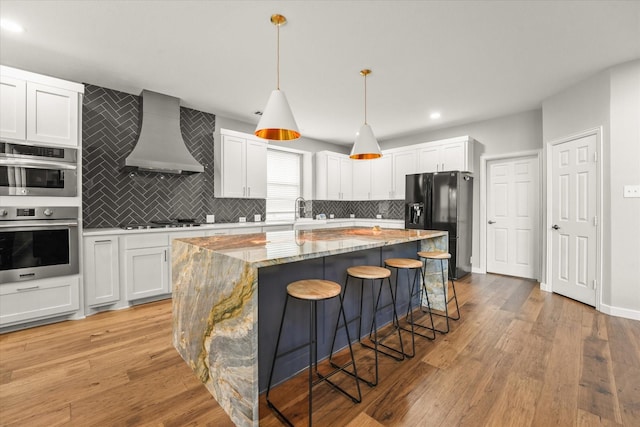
(277, 122)
(366, 146)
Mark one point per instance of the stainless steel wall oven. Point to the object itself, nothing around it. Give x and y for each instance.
(32, 170)
(38, 242)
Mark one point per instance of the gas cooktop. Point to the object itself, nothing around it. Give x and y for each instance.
(162, 223)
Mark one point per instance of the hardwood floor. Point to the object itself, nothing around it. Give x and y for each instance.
(518, 357)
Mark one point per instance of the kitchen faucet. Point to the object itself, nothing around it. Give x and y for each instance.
(299, 207)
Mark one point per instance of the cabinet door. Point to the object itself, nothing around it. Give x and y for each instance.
(233, 167)
(382, 178)
(346, 179)
(361, 179)
(429, 159)
(404, 163)
(13, 108)
(256, 168)
(452, 157)
(101, 270)
(334, 166)
(52, 115)
(146, 272)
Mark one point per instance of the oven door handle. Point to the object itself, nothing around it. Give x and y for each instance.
(37, 164)
(41, 224)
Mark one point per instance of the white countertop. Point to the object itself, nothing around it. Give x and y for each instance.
(234, 225)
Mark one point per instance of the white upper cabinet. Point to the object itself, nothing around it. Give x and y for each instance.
(382, 177)
(454, 154)
(240, 169)
(333, 176)
(52, 115)
(404, 163)
(362, 179)
(38, 108)
(13, 112)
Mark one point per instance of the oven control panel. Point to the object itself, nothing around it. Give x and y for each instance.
(22, 214)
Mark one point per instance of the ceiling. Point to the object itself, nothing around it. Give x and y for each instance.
(469, 60)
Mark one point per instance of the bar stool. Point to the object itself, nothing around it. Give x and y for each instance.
(371, 273)
(408, 264)
(434, 256)
(312, 290)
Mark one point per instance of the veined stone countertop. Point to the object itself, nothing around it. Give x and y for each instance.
(235, 225)
(279, 247)
(215, 297)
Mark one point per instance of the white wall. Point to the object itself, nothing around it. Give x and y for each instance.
(503, 135)
(610, 99)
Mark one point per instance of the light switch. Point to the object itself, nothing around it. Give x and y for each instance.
(631, 191)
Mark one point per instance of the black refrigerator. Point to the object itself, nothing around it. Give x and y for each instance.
(443, 201)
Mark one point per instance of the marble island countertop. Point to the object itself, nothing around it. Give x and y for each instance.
(278, 247)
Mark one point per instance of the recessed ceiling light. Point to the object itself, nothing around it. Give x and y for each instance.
(435, 115)
(10, 25)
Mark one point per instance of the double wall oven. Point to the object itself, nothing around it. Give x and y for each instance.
(33, 170)
(38, 242)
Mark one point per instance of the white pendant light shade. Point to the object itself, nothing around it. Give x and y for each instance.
(277, 122)
(366, 146)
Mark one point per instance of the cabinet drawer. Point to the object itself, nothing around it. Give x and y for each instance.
(38, 299)
(245, 230)
(151, 240)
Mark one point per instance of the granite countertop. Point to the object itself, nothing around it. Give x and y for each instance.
(279, 247)
(229, 225)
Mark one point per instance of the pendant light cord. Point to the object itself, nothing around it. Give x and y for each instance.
(278, 60)
(365, 99)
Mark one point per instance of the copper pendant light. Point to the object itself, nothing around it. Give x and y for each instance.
(277, 122)
(365, 146)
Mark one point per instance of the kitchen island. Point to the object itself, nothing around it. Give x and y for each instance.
(228, 293)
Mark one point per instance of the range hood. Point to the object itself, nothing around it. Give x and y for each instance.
(160, 147)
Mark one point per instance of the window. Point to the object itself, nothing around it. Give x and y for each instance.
(283, 184)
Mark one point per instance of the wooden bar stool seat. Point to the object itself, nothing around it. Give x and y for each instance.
(313, 291)
(442, 256)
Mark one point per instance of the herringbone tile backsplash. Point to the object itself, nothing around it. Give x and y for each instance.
(389, 209)
(111, 197)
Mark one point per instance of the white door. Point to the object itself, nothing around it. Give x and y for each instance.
(513, 218)
(573, 223)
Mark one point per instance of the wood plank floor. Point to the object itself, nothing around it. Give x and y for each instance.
(518, 357)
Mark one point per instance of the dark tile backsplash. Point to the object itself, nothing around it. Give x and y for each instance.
(111, 197)
(389, 209)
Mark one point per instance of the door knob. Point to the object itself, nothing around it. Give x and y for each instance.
(491, 222)
(555, 227)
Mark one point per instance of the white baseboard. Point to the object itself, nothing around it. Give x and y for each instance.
(478, 270)
(545, 287)
(627, 313)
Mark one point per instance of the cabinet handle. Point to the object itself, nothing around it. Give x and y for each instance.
(103, 241)
(443, 167)
(27, 289)
(248, 191)
(165, 255)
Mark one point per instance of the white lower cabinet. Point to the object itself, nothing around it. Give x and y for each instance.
(38, 299)
(146, 260)
(101, 270)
